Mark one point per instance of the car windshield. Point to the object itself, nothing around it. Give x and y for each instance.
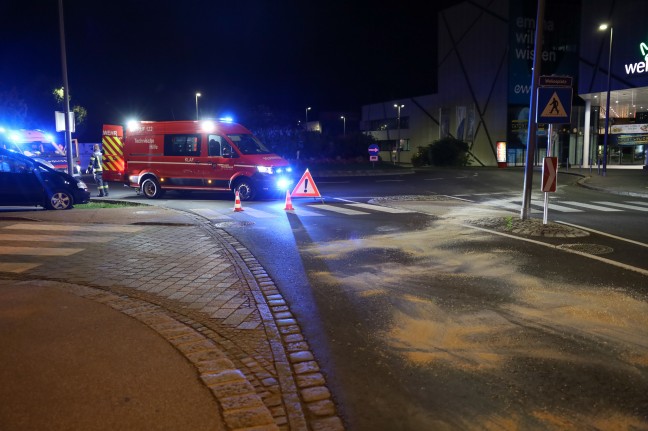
(248, 144)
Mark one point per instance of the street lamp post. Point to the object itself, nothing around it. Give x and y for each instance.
(603, 27)
(306, 123)
(197, 96)
(343, 118)
(398, 106)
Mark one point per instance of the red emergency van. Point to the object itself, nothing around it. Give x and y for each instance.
(155, 156)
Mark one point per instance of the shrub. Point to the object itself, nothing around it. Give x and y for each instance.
(449, 152)
(422, 157)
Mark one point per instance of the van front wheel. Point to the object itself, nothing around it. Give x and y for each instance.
(246, 190)
(151, 188)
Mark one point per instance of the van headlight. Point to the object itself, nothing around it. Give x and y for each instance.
(286, 169)
(264, 169)
(284, 183)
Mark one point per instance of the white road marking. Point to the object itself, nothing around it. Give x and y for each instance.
(75, 228)
(555, 207)
(39, 251)
(625, 206)
(54, 238)
(620, 238)
(638, 202)
(209, 213)
(379, 208)
(335, 209)
(589, 206)
(567, 250)
(17, 267)
(504, 203)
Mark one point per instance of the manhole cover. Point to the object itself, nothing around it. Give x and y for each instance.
(588, 248)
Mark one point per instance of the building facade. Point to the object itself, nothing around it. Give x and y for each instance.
(485, 73)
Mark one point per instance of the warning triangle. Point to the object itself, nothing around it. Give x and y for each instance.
(554, 108)
(306, 187)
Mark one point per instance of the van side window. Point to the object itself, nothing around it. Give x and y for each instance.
(229, 152)
(182, 145)
(214, 147)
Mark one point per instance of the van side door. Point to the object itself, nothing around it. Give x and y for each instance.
(221, 155)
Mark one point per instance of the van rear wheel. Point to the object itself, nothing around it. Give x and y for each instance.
(247, 190)
(151, 188)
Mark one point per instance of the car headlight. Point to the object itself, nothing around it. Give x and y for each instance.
(264, 169)
(82, 185)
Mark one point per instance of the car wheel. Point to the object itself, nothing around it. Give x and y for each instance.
(59, 200)
(246, 190)
(151, 188)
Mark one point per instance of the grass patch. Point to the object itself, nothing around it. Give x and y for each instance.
(97, 205)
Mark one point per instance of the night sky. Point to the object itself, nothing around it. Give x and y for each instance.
(147, 59)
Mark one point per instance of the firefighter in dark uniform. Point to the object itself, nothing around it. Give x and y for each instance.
(94, 167)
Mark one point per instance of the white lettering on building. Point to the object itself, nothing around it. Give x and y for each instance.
(641, 66)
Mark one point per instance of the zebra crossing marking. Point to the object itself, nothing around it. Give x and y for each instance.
(379, 208)
(215, 215)
(54, 238)
(75, 228)
(17, 267)
(561, 206)
(624, 206)
(590, 206)
(503, 203)
(638, 203)
(38, 251)
(556, 207)
(340, 210)
(59, 235)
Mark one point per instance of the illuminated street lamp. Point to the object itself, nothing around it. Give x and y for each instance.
(306, 123)
(398, 106)
(604, 27)
(197, 96)
(343, 118)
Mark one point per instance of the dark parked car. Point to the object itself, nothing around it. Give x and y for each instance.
(25, 181)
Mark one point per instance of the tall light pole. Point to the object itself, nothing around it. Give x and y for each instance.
(197, 96)
(604, 27)
(66, 89)
(398, 106)
(306, 123)
(343, 118)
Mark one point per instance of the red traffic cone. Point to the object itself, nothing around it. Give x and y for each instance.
(289, 206)
(237, 202)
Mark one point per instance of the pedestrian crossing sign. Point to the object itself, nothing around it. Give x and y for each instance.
(306, 187)
(554, 105)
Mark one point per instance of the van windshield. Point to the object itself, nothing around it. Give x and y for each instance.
(40, 149)
(248, 144)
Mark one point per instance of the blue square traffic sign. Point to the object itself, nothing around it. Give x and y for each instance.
(554, 105)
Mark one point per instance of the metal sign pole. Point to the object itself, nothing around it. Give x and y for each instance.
(545, 215)
(525, 210)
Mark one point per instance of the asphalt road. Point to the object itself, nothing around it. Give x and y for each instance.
(420, 321)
